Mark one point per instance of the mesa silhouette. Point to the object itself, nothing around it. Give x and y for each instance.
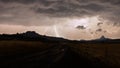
(33, 36)
(30, 36)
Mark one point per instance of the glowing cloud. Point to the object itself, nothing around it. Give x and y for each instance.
(87, 22)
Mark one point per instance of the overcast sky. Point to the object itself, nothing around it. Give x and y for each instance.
(72, 19)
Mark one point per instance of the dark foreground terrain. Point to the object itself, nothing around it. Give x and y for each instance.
(18, 54)
(30, 50)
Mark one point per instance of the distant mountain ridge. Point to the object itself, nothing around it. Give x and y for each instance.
(33, 36)
(30, 36)
(103, 38)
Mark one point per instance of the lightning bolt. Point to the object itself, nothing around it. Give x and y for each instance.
(56, 31)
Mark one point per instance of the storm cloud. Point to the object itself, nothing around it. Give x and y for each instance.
(80, 27)
(46, 12)
(99, 24)
(99, 30)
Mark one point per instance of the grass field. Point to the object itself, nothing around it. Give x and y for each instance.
(32, 54)
(105, 52)
(21, 47)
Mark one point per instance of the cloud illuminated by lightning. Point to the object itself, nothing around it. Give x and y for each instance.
(45, 31)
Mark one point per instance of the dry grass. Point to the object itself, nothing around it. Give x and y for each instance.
(21, 47)
(107, 52)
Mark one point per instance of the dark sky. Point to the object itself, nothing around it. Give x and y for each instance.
(44, 14)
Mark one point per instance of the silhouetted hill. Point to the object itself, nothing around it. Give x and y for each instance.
(33, 36)
(30, 36)
(104, 39)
